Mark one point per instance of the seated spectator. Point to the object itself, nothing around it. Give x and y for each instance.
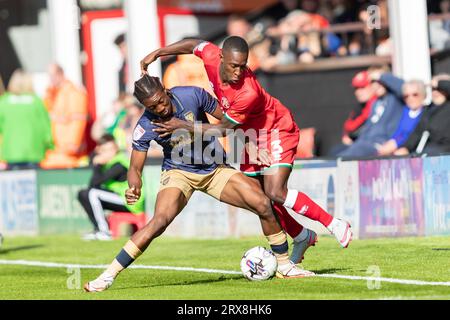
(25, 133)
(365, 96)
(383, 119)
(432, 134)
(371, 40)
(107, 187)
(239, 26)
(414, 95)
(297, 39)
(67, 106)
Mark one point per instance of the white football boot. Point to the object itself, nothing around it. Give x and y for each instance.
(342, 232)
(290, 270)
(103, 282)
(301, 243)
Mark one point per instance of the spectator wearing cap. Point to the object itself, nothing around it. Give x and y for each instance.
(383, 119)
(414, 95)
(365, 97)
(432, 134)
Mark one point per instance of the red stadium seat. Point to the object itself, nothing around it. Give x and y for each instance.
(116, 219)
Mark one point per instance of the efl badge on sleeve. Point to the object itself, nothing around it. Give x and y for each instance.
(138, 132)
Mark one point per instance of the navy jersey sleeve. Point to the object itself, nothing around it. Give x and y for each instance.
(143, 134)
(206, 101)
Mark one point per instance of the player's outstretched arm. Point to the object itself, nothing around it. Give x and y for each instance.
(167, 127)
(184, 46)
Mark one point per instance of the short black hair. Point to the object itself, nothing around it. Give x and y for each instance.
(105, 138)
(119, 39)
(146, 87)
(235, 43)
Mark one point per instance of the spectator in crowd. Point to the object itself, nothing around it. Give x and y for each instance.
(106, 190)
(384, 116)
(123, 131)
(432, 134)
(295, 38)
(440, 29)
(187, 70)
(67, 106)
(414, 95)
(109, 118)
(25, 133)
(372, 40)
(120, 42)
(259, 47)
(279, 10)
(365, 97)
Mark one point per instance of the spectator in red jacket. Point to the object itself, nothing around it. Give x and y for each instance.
(365, 96)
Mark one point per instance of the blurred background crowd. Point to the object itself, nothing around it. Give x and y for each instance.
(50, 120)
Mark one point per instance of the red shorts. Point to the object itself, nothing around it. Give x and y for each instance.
(282, 147)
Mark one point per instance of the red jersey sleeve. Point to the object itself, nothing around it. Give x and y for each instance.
(206, 51)
(241, 107)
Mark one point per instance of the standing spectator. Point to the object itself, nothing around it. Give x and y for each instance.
(25, 133)
(67, 106)
(414, 94)
(187, 70)
(239, 26)
(383, 119)
(121, 43)
(107, 187)
(365, 97)
(433, 129)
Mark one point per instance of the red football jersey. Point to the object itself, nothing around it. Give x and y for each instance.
(245, 103)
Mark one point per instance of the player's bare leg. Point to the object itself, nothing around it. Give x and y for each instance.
(244, 192)
(303, 237)
(169, 203)
(275, 187)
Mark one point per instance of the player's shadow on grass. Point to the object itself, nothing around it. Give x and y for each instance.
(186, 283)
(19, 248)
(329, 271)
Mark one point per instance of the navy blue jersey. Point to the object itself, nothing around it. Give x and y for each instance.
(182, 150)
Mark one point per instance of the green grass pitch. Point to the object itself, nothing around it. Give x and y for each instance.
(423, 259)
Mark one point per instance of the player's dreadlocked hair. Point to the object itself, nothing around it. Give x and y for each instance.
(235, 43)
(146, 87)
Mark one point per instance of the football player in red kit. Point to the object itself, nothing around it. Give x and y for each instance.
(247, 106)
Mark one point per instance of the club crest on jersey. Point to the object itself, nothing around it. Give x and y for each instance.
(189, 116)
(225, 103)
(138, 132)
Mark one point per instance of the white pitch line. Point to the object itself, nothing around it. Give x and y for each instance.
(101, 266)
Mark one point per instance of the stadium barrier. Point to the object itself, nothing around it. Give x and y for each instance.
(380, 198)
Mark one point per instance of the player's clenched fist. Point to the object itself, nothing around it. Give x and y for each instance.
(146, 61)
(132, 195)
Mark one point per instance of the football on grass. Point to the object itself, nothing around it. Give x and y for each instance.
(258, 264)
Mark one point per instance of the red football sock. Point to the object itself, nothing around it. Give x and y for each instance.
(288, 223)
(302, 204)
